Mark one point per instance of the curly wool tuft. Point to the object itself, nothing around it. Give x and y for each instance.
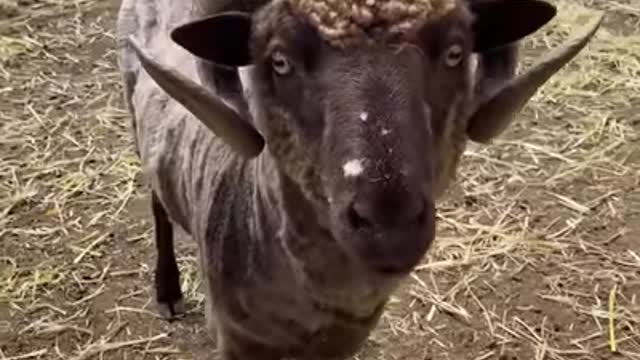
(345, 22)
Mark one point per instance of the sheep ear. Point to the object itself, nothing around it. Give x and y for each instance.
(500, 22)
(495, 114)
(204, 105)
(222, 38)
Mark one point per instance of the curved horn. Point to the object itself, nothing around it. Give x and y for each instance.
(204, 104)
(493, 117)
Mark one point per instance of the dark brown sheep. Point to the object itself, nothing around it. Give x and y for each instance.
(311, 191)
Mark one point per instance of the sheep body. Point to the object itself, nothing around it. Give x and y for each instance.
(279, 279)
(233, 214)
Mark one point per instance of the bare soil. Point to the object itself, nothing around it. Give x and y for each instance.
(538, 254)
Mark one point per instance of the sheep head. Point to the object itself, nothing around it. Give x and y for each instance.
(361, 102)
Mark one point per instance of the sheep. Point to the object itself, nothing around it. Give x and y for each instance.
(313, 195)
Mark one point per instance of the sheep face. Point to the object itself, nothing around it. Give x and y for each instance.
(357, 129)
(364, 120)
(358, 124)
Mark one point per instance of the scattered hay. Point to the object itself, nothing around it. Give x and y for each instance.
(8, 9)
(537, 254)
(10, 47)
(537, 215)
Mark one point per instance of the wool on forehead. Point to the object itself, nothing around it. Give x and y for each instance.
(344, 22)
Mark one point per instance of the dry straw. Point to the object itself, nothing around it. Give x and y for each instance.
(539, 233)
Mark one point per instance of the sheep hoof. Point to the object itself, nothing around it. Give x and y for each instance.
(172, 310)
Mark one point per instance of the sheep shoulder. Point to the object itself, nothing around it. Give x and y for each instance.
(181, 159)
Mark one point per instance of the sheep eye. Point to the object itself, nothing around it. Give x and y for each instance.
(280, 63)
(453, 55)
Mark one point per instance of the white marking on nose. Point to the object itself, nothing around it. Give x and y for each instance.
(353, 168)
(364, 116)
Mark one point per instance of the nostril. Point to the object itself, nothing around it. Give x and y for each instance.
(356, 220)
(368, 214)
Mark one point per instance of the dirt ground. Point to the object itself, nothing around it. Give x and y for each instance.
(538, 255)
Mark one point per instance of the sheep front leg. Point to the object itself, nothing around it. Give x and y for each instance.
(167, 276)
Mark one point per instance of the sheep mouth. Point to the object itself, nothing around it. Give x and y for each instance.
(393, 253)
(380, 267)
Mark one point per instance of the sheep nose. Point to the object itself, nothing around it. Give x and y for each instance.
(390, 229)
(380, 209)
